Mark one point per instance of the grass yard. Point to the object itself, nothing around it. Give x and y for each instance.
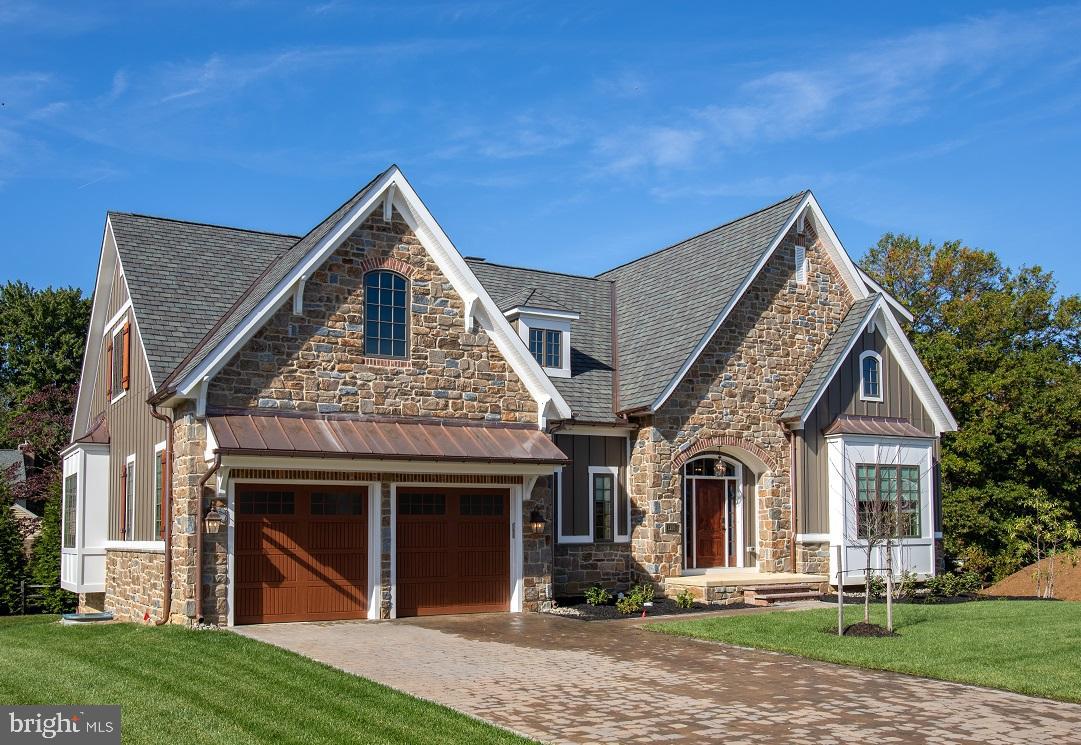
(1025, 646)
(214, 687)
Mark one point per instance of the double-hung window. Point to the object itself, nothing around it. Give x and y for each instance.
(595, 510)
(119, 355)
(159, 491)
(889, 501)
(546, 346)
(71, 500)
(127, 500)
(870, 376)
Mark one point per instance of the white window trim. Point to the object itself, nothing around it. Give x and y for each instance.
(157, 464)
(64, 511)
(800, 265)
(881, 377)
(129, 487)
(116, 331)
(527, 321)
(612, 471)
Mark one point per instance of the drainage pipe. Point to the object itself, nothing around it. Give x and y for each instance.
(792, 494)
(167, 518)
(199, 538)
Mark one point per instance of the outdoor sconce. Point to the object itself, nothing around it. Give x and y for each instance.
(215, 517)
(536, 523)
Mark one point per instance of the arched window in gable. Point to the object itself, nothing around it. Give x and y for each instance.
(871, 376)
(386, 314)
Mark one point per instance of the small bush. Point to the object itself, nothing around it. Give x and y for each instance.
(906, 586)
(629, 603)
(644, 592)
(878, 587)
(684, 599)
(598, 596)
(951, 585)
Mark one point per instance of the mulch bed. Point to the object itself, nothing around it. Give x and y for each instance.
(1022, 584)
(579, 609)
(867, 629)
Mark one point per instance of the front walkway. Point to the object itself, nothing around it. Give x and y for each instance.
(562, 680)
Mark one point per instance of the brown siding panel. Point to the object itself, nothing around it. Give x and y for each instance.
(842, 397)
(585, 451)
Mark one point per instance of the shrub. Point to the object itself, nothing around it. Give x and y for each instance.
(12, 559)
(598, 596)
(44, 568)
(629, 603)
(878, 587)
(906, 587)
(684, 599)
(644, 592)
(951, 585)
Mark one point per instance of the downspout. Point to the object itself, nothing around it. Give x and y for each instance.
(167, 506)
(199, 538)
(792, 492)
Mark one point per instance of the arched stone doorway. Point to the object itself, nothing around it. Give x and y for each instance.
(719, 512)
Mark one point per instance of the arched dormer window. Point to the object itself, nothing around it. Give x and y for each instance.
(386, 314)
(870, 376)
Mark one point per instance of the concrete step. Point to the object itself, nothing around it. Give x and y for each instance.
(775, 589)
(769, 594)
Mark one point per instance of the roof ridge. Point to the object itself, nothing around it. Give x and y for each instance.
(202, 224)
(704, 232)
(532, 269)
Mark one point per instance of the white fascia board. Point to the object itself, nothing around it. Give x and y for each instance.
(262, 312)
(529, 310)
(89, 373)
(894, 302)
(833, 248)
(450, 262)
(442, 251)
(909, 362)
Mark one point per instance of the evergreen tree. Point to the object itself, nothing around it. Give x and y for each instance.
(12, 559)
(44, 568)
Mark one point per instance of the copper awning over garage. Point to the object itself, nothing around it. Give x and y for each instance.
(382, 439)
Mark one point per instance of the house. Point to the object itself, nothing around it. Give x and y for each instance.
(361, 422)
(13, 463)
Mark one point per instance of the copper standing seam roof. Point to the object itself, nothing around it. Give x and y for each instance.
(324, 437)
(98, 434)
(880, 426)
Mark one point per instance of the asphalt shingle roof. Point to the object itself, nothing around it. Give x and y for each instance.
(820, 370)
(9, 458)
(265, 282)
(529, 297)
(183, 276)
(667, 301)
(589, 389)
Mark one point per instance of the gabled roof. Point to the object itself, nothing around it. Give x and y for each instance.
(588, 390)
(529, 297)
(176, 292)
(257, 289)
(668, 301)
(13, 466)
(833, 354)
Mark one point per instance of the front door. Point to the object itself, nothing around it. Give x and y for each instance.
(709, 523)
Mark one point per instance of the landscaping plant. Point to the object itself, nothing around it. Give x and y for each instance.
(598, 596)
(684, 599)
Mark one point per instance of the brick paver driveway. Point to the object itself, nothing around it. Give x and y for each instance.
(562, 680)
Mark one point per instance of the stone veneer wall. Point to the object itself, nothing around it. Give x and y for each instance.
(537, 567)
(813, 558)
(91, 602)
(316, 361)
(133, 584)
(734, 394)
(579, 566)
(189, 465)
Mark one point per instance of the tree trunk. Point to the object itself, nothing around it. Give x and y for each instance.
(867, 591)
(889, 585)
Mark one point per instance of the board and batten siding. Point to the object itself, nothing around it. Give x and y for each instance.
(585, 451)
(131, 427)
(842, 396)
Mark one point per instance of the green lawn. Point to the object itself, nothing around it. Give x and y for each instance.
(1025, 646)
(214, 687)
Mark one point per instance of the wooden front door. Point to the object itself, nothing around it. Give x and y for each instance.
(453, 551)
(709, 523)
(301, 553)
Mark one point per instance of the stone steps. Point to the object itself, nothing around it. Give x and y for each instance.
(770, 594)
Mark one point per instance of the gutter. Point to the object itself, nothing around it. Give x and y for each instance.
(167, 519)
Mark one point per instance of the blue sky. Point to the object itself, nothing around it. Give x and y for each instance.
(568, 136)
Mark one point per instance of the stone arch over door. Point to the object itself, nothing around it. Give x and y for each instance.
(765, 493)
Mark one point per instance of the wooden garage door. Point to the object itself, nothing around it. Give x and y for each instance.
(301, 553)
(453, 550)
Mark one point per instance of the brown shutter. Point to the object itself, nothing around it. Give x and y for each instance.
(123, 500)
(127, 355)
(164, 475)
(109, 370)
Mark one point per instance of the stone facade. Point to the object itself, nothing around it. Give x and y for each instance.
(813, 558)
(579, 566)
(316, 362)
(91, 602)
(537, 566)
(189, 466)
(734, 393)
(133, 584)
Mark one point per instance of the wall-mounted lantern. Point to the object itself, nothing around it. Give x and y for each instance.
(214, 517)
(537, 523)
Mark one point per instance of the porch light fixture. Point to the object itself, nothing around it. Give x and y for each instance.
(214, 517)
(537, 522)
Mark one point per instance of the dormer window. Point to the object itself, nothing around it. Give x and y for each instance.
(870, 376)
(546, 346)
(545, 327)
(386, 319)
